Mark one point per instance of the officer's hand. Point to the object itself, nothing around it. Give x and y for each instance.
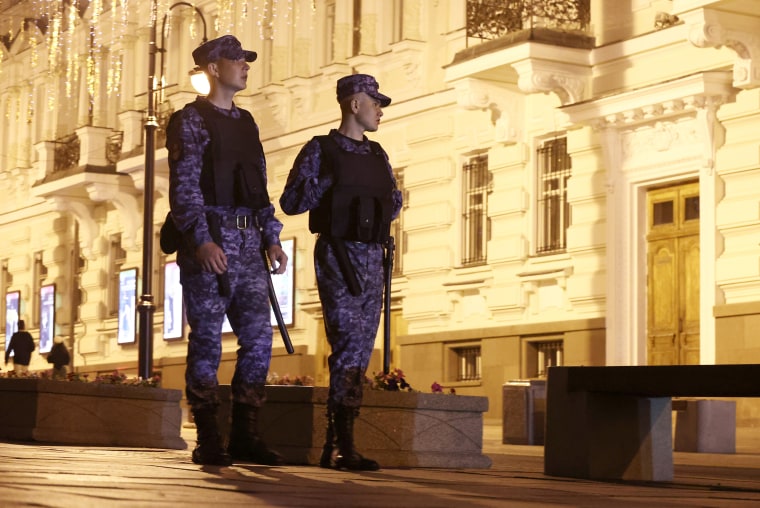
(277, 258)
(212, 258)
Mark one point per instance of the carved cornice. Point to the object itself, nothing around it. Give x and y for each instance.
(535, 67)
(656, 107)
(81, 209)
(546, 76)
(77, 193)
(715, 29)
(659, 111)
(505, 105)
(656, 102)
(125, 202)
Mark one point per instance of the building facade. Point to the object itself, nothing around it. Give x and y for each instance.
(579, 175)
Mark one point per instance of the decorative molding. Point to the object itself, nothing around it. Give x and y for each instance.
(662, 108)
(735, 31)
(125, 202)
(505, 105)
(78, 192)
(81, 209)
(568, 81)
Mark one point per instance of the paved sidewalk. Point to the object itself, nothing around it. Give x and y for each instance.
(75, 476)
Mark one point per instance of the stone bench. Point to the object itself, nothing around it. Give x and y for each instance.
(616, 422)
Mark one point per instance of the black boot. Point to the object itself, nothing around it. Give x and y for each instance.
(245, 444)
(329, 452)
(209, 450)
(348, 457)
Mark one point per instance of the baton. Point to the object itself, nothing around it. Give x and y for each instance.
(388, 266)
(276, 305)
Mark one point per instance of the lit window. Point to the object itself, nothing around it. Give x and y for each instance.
(475, 222)
(554, 166)
(117, 257)
(468, 363)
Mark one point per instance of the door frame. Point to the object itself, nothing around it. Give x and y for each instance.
(627, 261)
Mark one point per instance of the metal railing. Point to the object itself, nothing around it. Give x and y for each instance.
(67, 151)
(493, 19)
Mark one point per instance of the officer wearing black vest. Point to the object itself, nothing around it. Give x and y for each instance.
(221, 210)
(347, 185)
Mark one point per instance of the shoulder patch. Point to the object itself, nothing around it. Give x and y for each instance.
(175, 150)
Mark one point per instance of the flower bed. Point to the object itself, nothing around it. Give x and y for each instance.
(396, 428)
(95, 413)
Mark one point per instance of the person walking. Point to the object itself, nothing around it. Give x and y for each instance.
(346, 183)
(220, 206)
(21, 345)
(59, 357)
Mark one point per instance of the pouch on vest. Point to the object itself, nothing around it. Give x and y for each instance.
(365, 219)
(170, 236)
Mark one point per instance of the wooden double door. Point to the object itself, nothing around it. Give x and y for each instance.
(673, 275)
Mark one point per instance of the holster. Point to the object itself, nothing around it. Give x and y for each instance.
(346, 268)
(215, 229)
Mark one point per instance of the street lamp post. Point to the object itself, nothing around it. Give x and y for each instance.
(147, 306)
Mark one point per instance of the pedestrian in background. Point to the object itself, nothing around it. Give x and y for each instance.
(21, 345)
(346, 183)
(60, 358)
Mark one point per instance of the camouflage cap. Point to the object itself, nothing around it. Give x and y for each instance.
(357, 83)
(226, 46)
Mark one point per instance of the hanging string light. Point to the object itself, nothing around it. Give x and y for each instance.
(119, 18)
(244, 12)
(72, 63)
(54, 42)
(30, 104)
(33, 48)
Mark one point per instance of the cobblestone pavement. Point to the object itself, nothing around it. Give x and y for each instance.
(43, 475)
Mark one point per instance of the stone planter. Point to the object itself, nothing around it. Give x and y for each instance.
(398, 429)
(90, 413)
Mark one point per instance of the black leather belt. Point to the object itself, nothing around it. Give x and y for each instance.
(236, 221)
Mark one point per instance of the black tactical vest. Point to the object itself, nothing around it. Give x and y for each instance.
(359, 205)
(231, 175)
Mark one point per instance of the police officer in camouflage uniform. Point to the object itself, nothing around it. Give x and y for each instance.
(220, 204)
(347, 184)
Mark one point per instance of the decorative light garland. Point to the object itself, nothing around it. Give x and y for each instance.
(99, 65)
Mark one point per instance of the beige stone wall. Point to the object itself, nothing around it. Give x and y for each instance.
(506, 354)
(737, 327)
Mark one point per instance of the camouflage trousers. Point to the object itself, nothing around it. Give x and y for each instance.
(246, 307)
(351, 322)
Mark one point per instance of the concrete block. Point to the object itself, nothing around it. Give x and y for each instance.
(524, 412)
(705, 426)
(98, 414)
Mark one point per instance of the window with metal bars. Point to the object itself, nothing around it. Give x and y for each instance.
(329, 47)
(475, 223)
(6, 280)
(549, 355)
(554, 166)
(468, 363)
(117, 257)
(356, 43)
(40, 275)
